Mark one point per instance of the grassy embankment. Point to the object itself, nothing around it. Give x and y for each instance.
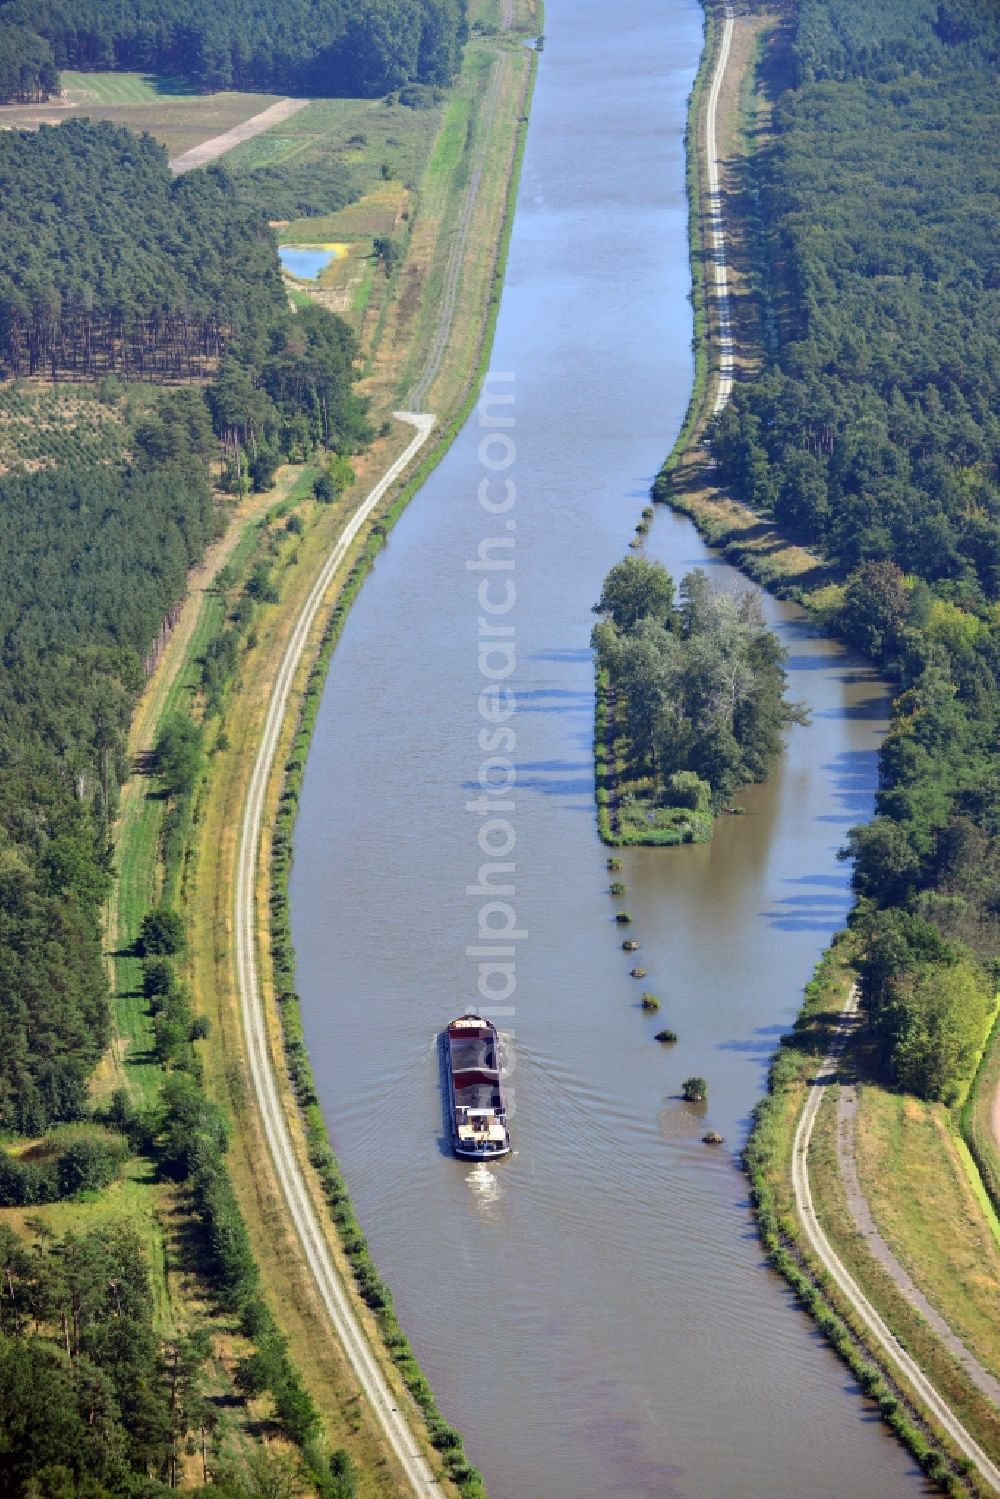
(758, 64)
(940, 1249)
(917, 1189)
(936, 1234)
(477, 134)
(976, 1119)
(768, 1161)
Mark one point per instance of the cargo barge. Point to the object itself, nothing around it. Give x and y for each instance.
(477, 1110)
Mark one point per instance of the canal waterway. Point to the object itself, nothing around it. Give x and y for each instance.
(593, 1313)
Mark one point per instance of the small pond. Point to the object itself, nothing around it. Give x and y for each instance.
(306, 261)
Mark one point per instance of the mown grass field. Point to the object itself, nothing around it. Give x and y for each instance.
(123, 88)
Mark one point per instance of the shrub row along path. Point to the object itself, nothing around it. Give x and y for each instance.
(341, 1313)
(211, 150)
(716, 225)
(848, 1287)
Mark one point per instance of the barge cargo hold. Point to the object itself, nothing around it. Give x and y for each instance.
(477, 1110)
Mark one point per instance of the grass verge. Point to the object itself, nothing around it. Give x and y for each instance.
(927, 1211)
(477, 138)
(767, 1158)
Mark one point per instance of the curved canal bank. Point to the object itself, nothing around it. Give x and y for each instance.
(593, 1312)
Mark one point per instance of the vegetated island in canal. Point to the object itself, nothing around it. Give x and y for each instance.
(690, 703)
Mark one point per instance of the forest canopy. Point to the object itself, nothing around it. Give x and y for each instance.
(318, 47)
(119, 267)
(27, 69)
(91, 562)
(874, 429)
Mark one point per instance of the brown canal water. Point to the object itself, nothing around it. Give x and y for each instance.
(593, 1312)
